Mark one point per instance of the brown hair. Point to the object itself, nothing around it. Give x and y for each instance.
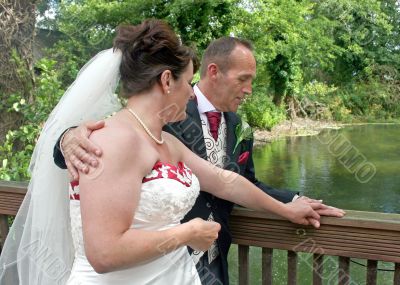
(218, 52)
(148, 50)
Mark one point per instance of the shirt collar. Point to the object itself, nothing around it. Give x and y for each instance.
(203, 104)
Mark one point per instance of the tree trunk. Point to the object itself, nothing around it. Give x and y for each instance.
(278, 97)
(291, 104)
(17, 30)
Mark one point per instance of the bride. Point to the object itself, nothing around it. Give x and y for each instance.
(121, 224)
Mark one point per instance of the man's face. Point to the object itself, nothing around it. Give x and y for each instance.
(235, 84)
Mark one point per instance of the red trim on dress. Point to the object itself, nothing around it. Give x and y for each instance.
(180, 173)
(74, 194)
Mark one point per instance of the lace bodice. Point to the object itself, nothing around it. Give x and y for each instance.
(168, 192)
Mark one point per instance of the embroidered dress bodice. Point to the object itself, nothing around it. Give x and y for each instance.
(168, 192)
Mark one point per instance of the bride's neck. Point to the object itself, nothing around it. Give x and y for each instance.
(147, 108)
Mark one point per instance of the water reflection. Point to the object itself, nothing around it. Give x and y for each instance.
(309, 165)
(314, 167)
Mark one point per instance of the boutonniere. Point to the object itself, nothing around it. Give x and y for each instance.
(243, 157)
(243, 132)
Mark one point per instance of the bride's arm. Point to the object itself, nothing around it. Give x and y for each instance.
(109, 195)
(237, 189)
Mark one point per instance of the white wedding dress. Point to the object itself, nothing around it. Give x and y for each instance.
(167, 194)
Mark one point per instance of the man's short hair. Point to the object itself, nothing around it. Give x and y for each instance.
(218, 52)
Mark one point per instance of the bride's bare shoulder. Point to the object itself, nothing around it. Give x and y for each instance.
(117, 135)
(113, 129)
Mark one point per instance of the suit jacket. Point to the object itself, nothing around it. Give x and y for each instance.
(190, 133)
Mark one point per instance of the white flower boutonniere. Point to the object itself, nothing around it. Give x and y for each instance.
(243, 132)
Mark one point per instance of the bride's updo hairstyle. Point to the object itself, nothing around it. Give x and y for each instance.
(148, 50)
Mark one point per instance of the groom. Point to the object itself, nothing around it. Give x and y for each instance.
(210, 130)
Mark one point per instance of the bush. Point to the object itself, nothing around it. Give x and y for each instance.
(18, 146)
(371, 101)
(260, 112)
(365, 101)
(315, 101)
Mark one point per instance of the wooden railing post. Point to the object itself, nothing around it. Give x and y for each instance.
(292, 268)
(344, 270)
(372, 267)
(267, 260)
(243, 265)
(3, 229)
(396, 278)
(318, 269)
(11, 196)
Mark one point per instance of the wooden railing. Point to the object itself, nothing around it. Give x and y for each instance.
(11, 196)
(371, 236)
(366, 235)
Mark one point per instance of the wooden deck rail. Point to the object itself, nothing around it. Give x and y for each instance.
(11, 196)
(371, 236)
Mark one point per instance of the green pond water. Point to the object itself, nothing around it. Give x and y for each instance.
(356, 168)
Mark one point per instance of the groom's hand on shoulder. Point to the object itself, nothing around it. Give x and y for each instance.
(79, 152)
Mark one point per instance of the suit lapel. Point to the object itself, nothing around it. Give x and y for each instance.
(232, 121)
(192, 132)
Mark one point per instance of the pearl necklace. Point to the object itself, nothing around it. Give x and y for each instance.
(146, 128)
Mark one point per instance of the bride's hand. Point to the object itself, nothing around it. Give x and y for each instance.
(202, 233)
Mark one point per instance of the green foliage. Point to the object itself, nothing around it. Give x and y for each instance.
(23, 81)
(18, 146)
(289, 40)
(371, 101)
(335, 41)
(331, 59)
(361, 29)
(260, 112)
(89, 26)
(366, 101)
(338, 42)
(315, 100)
(338, 111)
(199, 22)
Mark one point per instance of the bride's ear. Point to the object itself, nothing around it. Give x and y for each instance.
(166, 80)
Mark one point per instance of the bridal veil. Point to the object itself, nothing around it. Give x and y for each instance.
(39, 249)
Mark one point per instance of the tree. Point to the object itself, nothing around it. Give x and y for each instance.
(290, 43)
(362, 30)
(17, 30)
(197, 23)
